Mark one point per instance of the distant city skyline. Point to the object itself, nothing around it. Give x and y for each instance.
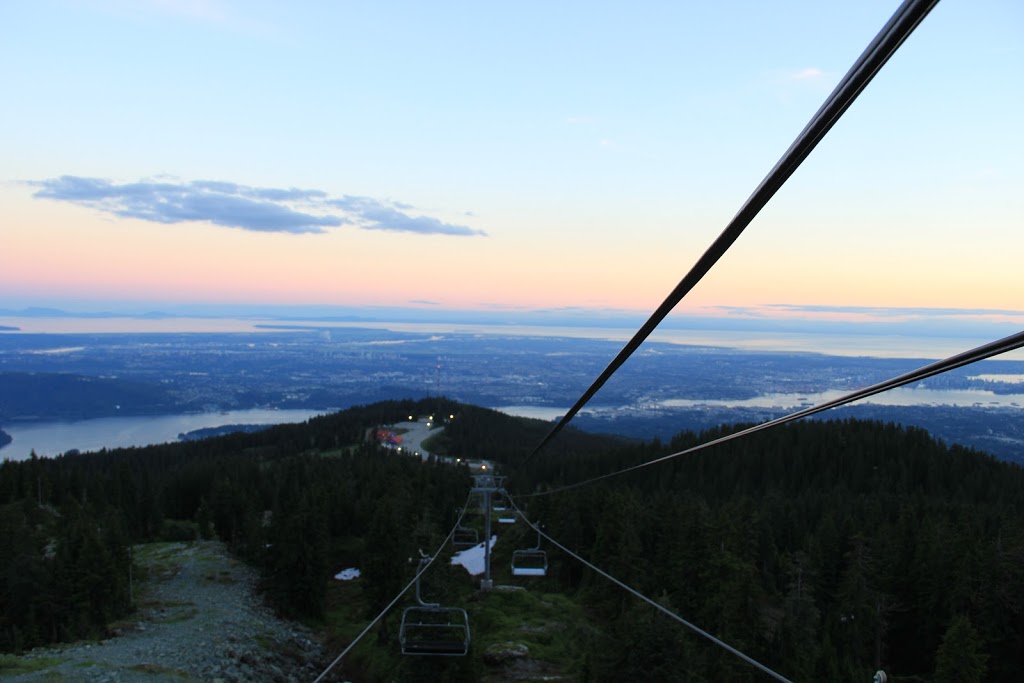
(566, 159)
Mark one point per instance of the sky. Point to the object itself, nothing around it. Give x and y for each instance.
(508, 157)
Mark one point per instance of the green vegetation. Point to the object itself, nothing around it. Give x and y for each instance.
(156, 669)
(11, 665)
(823, 550)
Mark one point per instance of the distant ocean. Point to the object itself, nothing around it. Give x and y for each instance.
(869, 344)
(903, 396)
(55, 438)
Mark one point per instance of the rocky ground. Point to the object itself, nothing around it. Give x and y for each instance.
(198, 619)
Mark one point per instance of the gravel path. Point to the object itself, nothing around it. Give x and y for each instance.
(198, 619)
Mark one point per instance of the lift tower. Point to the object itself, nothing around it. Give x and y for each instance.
(487, 484)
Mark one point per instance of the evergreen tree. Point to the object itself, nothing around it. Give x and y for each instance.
(961, 657)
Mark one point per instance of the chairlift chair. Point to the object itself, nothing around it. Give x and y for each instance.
(430, 629)
(465, 537)
(530, 561)
(505, 515)
(434, 630)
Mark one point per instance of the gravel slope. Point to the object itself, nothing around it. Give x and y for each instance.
(198, 619)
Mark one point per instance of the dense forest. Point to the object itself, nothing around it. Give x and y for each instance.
(825, 550)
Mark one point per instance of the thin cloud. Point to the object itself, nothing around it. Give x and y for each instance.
(374, 214)
(259, 209)
(809, 73)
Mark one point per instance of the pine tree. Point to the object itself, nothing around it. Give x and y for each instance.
(961, 658)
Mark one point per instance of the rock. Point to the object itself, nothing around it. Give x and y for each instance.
(501, 653)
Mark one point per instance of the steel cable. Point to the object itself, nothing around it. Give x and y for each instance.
(661, 608)
(886, 42)
(1011, 343)
(423, 568)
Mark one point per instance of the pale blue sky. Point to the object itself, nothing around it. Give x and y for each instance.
(523, 155)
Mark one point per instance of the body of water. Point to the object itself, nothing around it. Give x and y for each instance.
(54, 438)
(903, 396)
(536, 412)
(893, 345)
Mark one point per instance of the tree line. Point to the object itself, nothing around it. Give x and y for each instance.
(280, 499)
(825, 550)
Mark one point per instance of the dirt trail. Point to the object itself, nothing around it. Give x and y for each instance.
(198, 619)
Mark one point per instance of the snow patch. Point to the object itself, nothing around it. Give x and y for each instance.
(473, 558)
(347, 574)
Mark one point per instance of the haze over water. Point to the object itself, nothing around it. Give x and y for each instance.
(876, 345)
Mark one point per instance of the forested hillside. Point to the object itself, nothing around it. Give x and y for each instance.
(824, 550)
(278, 498)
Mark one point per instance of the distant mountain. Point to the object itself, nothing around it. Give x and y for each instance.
(46, 312)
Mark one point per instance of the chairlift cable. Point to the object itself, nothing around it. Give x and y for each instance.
(1011, 343)
(423, 568)
(661, 608)
(902, 23)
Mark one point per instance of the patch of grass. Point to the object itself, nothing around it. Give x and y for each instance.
(158, 604)
(223, 577)
(157, 669)
(438, 443)
(265, 641)
(210, 554)
(159, 560)
(11, 665)
(183, 615)
(549, 624)
(164, 550)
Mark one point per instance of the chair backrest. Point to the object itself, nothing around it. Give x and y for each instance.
(434, 630)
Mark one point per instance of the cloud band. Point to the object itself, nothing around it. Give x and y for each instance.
(258, 209)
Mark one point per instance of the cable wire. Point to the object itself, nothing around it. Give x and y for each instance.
(902, 23)
(398, 597)
(1014, 341)
(667, 612)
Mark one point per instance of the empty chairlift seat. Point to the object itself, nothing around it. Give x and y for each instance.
(531, 562)
(434, 630)
(505, 515)
(465, 537)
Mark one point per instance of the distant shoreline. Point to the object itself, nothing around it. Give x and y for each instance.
(855, 341)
